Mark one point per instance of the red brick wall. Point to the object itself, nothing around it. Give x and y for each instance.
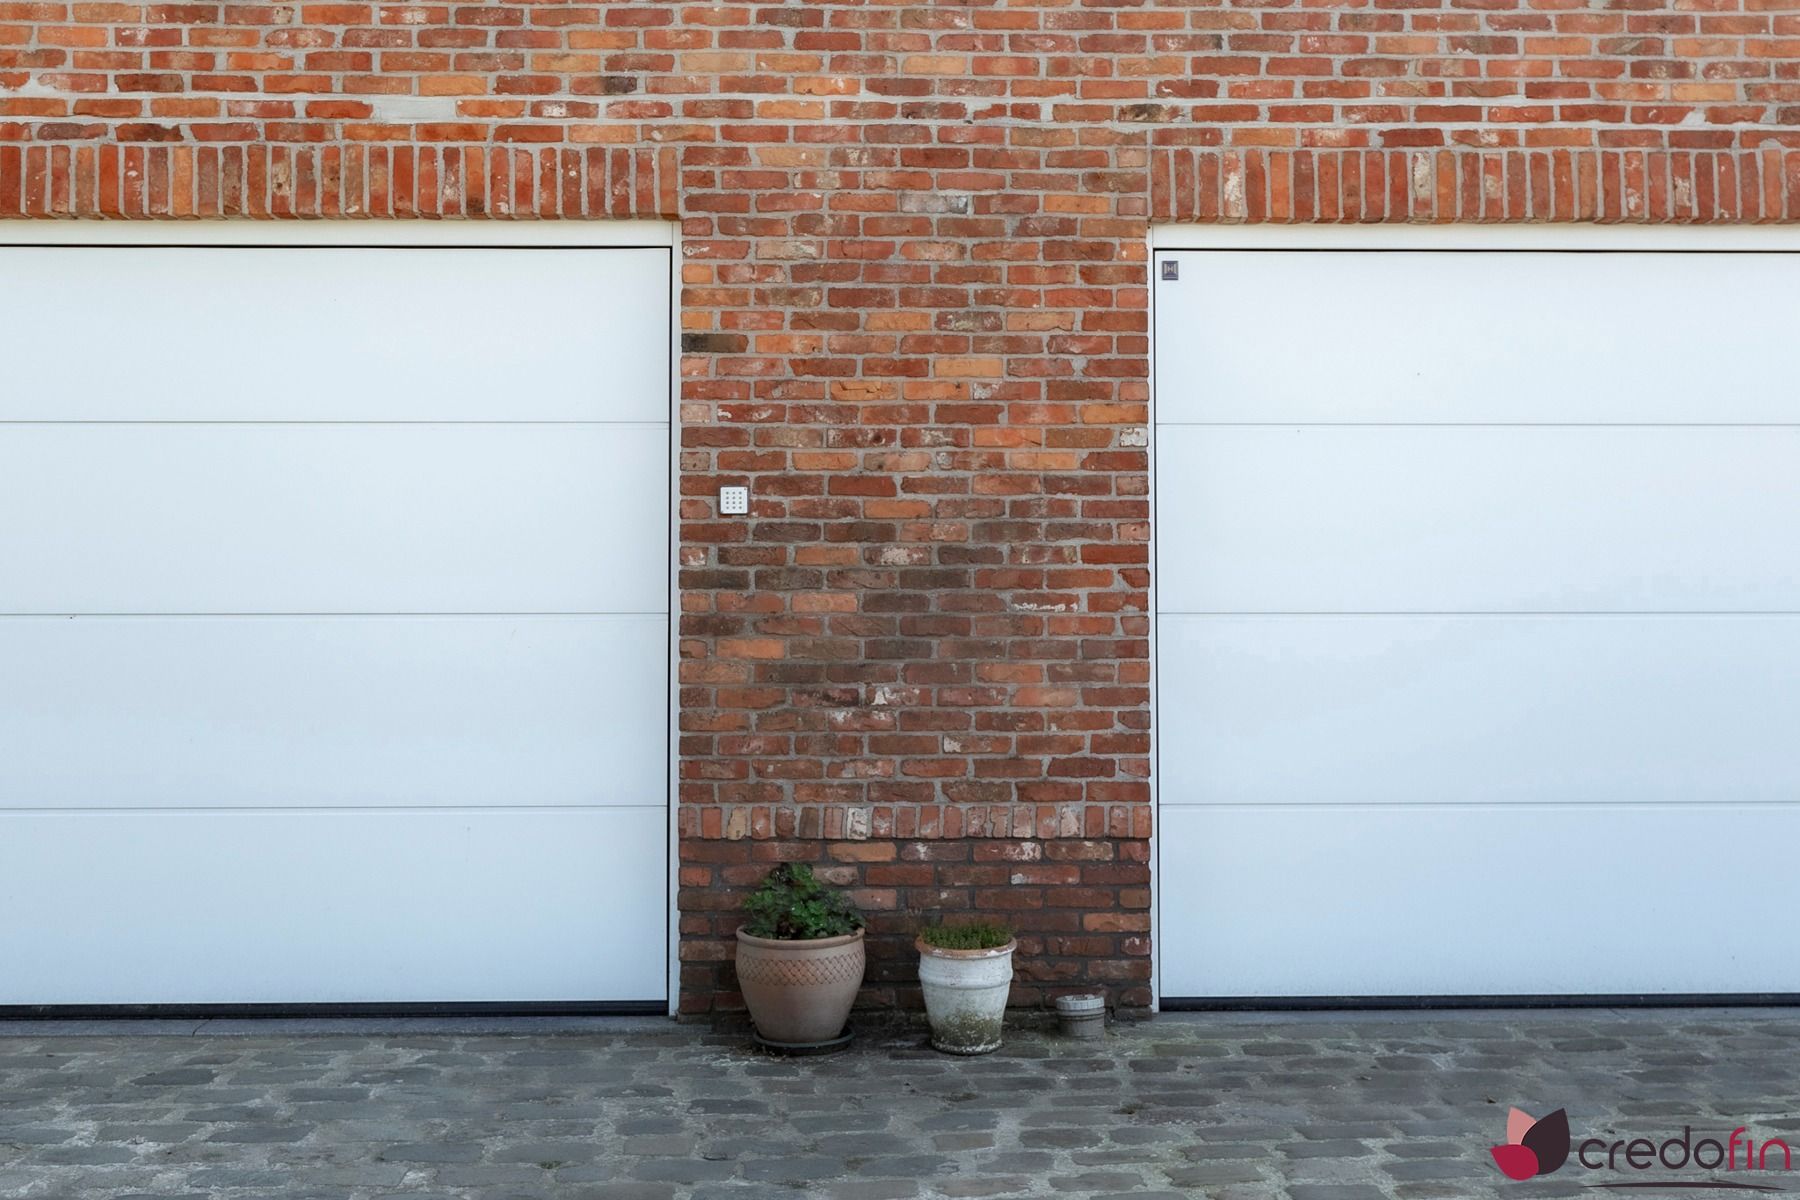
(914, 320)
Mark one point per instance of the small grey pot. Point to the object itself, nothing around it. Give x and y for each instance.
(1082, 1016)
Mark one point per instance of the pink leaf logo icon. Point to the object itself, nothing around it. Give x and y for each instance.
(1533, 1147)
(1515, 1162)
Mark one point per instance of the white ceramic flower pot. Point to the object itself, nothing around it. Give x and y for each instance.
(965, 996)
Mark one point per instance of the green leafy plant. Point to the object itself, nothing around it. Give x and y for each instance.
(975, 935)
(793, 905)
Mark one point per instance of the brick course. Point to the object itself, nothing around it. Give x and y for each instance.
(914, 322)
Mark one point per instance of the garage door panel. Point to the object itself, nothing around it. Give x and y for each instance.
(147, 712)
(1447, 519)
(180, 518)
(1496, 901)
(1407, 710)
(1478, 623)
(334, 619)
(333, 907)
(331, 334)
(1433, 337)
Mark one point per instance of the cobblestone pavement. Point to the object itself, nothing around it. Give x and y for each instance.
(1334, 1108)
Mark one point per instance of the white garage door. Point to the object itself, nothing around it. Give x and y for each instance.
(334, 636)
(1478, 639)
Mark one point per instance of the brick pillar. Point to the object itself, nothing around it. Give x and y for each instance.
(922, 660)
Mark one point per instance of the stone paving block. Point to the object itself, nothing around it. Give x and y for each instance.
(792, 1169)
(875, 1189)
(432, 1152)
(1092, 1181)
(1061, 1138)
(36, 1135)
(914, 1166)
(683, 1170)
(84, 1156)
(1205, 1175)
(992, 1186)
(1338, 1149)
(261, 1133)
(1437, 1168)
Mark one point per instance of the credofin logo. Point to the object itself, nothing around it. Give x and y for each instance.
(1533, 1147)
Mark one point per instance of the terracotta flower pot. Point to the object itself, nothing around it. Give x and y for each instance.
(800, 992)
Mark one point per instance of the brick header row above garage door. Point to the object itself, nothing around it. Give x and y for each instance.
(1660, 184)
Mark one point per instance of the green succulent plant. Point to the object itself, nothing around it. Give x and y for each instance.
(791, 904)
(973, 935)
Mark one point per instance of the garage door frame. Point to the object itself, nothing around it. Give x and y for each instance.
(544, 235)
(1566, 238)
